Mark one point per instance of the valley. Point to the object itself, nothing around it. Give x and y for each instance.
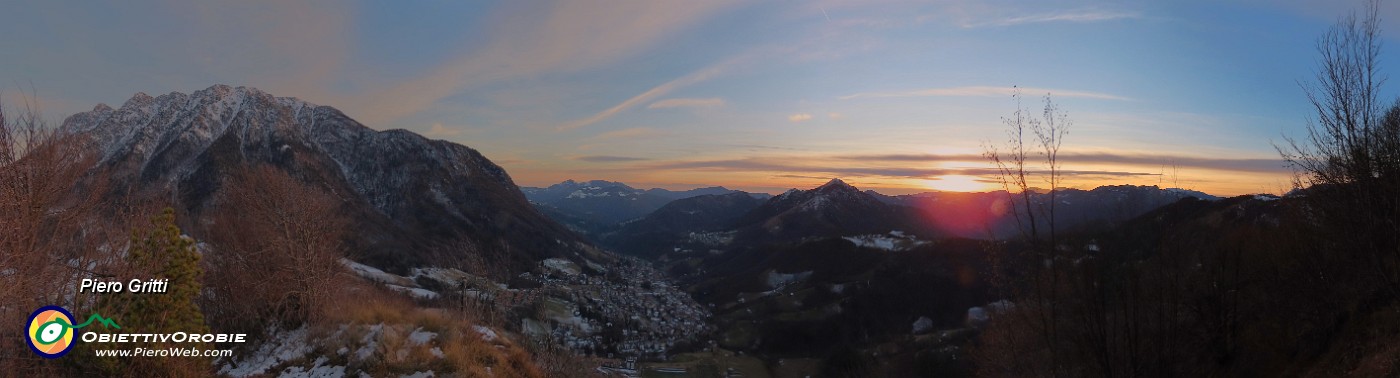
(834, 272)
(716, 188)
(818, 279)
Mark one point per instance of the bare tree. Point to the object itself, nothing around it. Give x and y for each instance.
(1351, 156)
(277, 247)
(1342, 138)
(1016, 164)
(1012, 167)
(1031, 142)
(48, 231)
(1221, 297)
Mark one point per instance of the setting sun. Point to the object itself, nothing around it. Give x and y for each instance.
(957, 183)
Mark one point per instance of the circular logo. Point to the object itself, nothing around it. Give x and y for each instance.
(50, 331)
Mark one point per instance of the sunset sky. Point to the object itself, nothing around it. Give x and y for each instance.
(762, 96)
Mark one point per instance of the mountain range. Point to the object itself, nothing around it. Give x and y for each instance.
(990, 215)
(790, 275)
(412, 198)
(419, 210)
(592, 207)
(697, 222)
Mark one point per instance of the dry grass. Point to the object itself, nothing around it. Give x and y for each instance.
(388, 320)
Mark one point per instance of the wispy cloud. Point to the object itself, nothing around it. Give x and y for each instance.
(763, 147)
(438, 130)
(687, 103)
(621, 138)
(704, 74)
(983, 91)
(837, 170)
(1260, 165)
(565, 37)
(799, 117)
(1078, 16)
(803, 177)
(632, 133)
(607, 158)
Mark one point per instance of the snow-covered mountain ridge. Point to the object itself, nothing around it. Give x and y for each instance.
(409, 194)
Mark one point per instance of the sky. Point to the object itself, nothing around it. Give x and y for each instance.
(897, 96)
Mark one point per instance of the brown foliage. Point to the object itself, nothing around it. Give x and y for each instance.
(277, 245)
(49, 235)
(461, 349)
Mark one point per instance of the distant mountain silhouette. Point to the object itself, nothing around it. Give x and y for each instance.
(597, 206)
(676, 225)
(990, 214)
(833, 209)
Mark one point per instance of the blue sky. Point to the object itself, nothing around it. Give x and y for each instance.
(893, 95)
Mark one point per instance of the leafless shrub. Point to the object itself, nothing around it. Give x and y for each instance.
(49, 236)
(1351, 156)
(277, 245)
(1031, 151)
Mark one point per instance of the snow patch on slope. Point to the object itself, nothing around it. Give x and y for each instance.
(894, 241)
(419, 293)
(487, 334)
(713, 239)
(376, 275)
(281, 347)
(562, 266)
(776, 280)
(420, 337)
(317, 370)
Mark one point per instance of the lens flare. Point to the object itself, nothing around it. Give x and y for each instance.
(957, 183)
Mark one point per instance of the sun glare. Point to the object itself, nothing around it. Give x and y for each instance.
(957, 183)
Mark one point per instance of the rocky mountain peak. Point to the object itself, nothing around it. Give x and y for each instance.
(836, 185)
(410, 193)
(140, 99)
